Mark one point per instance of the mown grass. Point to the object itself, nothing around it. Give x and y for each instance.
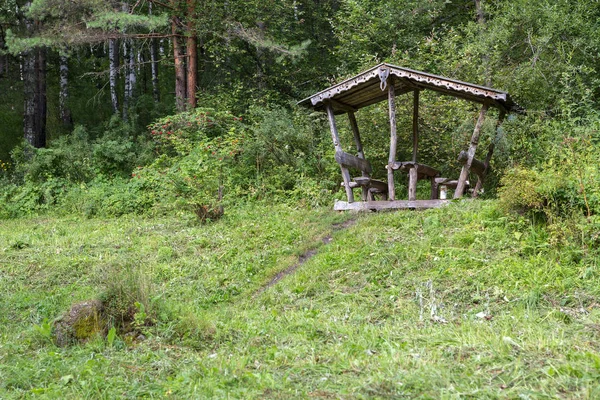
(461, 302)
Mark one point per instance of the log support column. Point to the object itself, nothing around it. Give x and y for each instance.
(412, 183)
(464, 173)
(338, 148)
(393, 138)
(359, 151)
(415, 137)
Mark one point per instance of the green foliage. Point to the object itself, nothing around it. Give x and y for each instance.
(111, 336)
(198, 155)
(112, 20)
(126, 298)
(286, 149)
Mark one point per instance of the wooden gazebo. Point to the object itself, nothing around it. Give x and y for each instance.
(386, 81)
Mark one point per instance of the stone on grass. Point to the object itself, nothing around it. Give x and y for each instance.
(81, 323)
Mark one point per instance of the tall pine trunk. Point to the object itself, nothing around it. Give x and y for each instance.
(485, 57)
(180, 75)
(154, 63)
(34, 88)
(192, 56)
(260, 80)
(40, 95)
(63, 97)
(113, 57)
(29, 90)
(34, 91)
(127, 87)
(3, 57)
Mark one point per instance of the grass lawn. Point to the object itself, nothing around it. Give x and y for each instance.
(459, 302)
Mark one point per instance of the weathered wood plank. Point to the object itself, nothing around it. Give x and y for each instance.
(451, 183)
(464, 173)
(424, 171)
(379, 186)
(435, 192)
(415, 137)
(387, 205)
(477, 166)
(350, 161)
(338, 148)
(412, 184)
(393, 138)
(338, 105)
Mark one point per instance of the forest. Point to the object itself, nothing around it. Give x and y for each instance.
(91, 90)
(154, 158)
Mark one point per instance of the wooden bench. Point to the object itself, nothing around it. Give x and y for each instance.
(368, 185)
(417, 172)
(449, 183)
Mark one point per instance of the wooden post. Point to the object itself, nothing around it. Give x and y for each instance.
(393, 138)
(488, 157)
(460, 188)
(415, 137)
(354, 125)
(336, 142)
(412, 183)
(359, 150)
(435, 191)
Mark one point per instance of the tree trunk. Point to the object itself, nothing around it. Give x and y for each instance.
(63, 98)
(133, 53)
(34, 90)
(113, 56)
(180, 87)
(485, 57)
(3, 57)
(34, 87)
(192, 56)
(127, 86)
(41, 98)
(154, 63)
(29, 91)
(260, 81)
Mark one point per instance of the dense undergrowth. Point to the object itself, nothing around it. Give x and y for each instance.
(193, 162)
(463, 301)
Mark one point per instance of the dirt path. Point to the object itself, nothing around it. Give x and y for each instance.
(305, 256)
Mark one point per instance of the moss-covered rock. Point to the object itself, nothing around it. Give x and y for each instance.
(82, 322)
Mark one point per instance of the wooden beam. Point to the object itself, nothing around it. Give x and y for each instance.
(477, 166)
(336, 142)
(415, 132)
(464, 173)
(338, 105)
(379, 186)
(350, 161)
(389, 205)
(357, 139)
(359, 150)
(425, 171)
(488, 157)
(393, 138)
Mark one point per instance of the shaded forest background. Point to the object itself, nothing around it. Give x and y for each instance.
(110, 107)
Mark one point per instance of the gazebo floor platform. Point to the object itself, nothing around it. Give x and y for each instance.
(389, 205)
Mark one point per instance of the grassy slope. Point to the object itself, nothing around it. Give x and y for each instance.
(392, 307)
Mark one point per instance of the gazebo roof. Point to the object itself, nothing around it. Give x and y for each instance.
(368, 88)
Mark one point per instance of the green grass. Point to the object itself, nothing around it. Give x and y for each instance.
(461, 302)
